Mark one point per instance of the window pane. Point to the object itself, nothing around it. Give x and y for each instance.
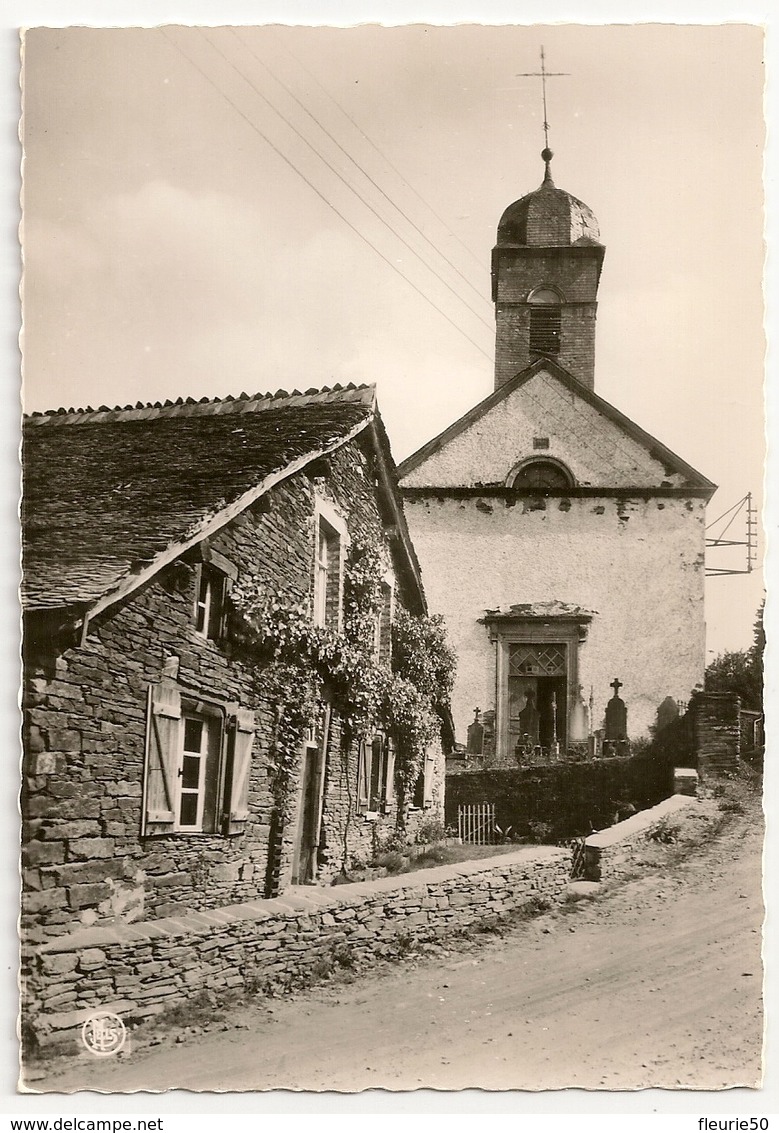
(193, 734)
(188, 815)
(190, 772)
(209, 607)
(419, 789)
(203, 602)
(215, 607)
(326, 576)
(377, 771)
(545, 297)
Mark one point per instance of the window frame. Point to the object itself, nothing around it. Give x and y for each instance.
(219, 574)
(545, 322)
(422, 793)
(213, 730)
(375, 774)
(327, 596)
(382, 635)
(543, 460)
(212, 603)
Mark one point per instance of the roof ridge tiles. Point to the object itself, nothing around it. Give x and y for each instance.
(364, 392)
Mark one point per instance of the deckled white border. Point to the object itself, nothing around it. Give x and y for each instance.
(102, 13)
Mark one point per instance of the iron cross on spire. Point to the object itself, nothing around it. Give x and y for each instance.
(543, 75)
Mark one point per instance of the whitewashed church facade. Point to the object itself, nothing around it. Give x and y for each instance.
(563, 544)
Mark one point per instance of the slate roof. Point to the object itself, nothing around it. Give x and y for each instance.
(548, 217)
(107, 491)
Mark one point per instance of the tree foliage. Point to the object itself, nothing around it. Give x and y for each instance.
(741, 670)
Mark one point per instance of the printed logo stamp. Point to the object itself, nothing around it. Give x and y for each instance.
(103, 1034)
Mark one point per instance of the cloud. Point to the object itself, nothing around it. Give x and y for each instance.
(163, 292)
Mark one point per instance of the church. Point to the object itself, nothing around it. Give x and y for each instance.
(562, 543)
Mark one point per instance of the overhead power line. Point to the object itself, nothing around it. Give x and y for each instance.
(479, 263)
(358, 166)
(343, 179)
(253, 125)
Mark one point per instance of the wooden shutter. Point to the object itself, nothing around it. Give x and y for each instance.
(428, 774)
(242, 727)
(389, 782)
(363, 776)
(223, 632)
(162, 754)
(324, 742)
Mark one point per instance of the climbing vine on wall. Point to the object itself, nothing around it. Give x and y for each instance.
(301, 664)
(422, 655)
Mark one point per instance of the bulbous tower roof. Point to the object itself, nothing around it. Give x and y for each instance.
(548, 217)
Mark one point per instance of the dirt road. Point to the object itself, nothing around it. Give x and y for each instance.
(657, 983)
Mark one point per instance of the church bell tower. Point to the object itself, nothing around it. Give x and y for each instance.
(546, 267)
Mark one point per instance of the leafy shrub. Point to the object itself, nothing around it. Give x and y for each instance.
(666, 831)
(434, 856)
(541, 832)
(430, 830)
(201, 1007)
(404, 943)
(392, 861)
(534, 907)
(386, 841)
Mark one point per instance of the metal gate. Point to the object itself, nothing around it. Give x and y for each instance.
(476, 823)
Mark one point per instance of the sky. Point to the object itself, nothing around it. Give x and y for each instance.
(182, 237)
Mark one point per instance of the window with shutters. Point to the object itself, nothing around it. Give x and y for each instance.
(375, 774)
(198, 758)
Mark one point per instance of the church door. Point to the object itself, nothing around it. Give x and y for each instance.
(537, 697)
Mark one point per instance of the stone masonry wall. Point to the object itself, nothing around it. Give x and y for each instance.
(573, 273)
(138, 970)
(84, 861)
(716, 730)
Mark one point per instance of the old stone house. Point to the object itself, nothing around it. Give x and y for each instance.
(563, 544)
(192, 575)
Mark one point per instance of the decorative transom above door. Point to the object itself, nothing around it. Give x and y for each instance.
(537, 660)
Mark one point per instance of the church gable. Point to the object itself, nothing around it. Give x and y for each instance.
(545, 414)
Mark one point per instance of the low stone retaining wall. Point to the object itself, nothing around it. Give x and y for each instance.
(142, 968)
(611, 853)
